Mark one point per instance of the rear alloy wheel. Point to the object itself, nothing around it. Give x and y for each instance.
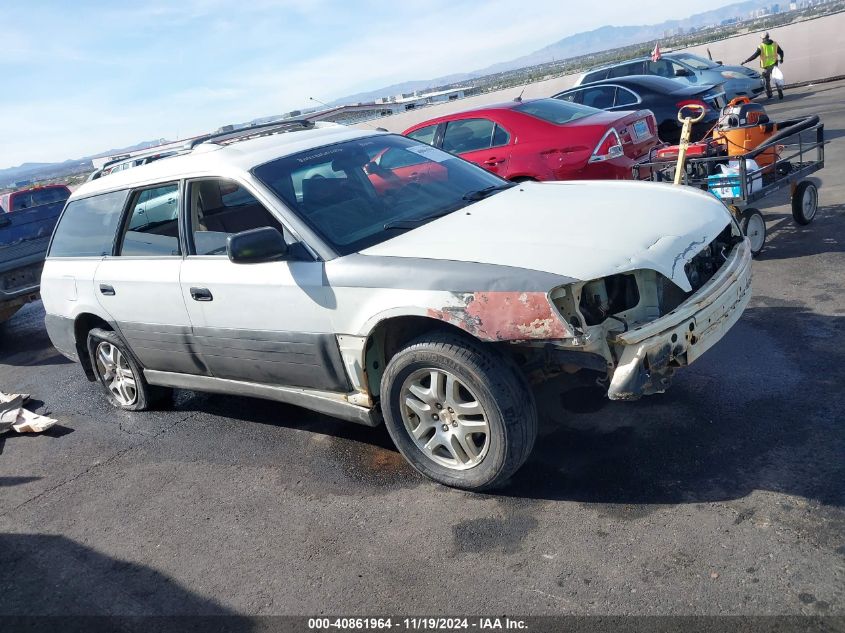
(115, 372)
(805, 202)
(754, 228)
(120, 374)
(459, 411)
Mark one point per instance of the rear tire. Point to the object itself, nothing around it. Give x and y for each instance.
(754, 228)
(120, 374)
(460, 412)
(805, 202)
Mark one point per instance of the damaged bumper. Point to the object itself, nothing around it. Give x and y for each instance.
(649, 354)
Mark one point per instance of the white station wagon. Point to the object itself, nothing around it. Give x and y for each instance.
(375, 278)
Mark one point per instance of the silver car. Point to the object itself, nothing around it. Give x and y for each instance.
(285, 263)
(739, 81)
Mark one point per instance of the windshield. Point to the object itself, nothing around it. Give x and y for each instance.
(699, 63)
(358, 193)
(555, 111)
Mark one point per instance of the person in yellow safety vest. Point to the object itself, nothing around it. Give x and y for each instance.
(768, 52)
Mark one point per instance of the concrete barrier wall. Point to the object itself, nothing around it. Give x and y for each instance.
(814, 49)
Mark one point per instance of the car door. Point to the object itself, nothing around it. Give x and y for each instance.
(481, 141)
(263, 322)
(138, 285)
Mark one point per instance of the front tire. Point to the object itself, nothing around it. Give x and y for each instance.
(120, 374)
(460, 412)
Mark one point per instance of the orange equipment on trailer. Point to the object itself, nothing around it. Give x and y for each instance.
(744, 126)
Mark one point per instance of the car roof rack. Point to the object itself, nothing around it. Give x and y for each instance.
(253, 131)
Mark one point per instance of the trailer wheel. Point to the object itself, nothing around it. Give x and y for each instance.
(805, 202)
(754, 228)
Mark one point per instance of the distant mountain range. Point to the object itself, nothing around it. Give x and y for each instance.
(44, 171)
(600, 39)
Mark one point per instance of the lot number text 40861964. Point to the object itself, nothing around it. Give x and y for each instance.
(417, 624)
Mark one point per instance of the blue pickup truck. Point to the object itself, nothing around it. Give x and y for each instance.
(27, 219)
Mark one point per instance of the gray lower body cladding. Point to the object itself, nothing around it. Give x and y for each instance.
(298, 359)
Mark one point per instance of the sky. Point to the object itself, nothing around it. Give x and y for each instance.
(83, 77)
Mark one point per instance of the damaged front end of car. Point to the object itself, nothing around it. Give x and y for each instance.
(646, 327)
(634, 328)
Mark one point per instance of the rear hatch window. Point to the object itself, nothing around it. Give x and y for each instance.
(37, 197)
(555, 111)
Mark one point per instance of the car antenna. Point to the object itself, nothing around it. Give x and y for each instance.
(709, 55)
(519, 98)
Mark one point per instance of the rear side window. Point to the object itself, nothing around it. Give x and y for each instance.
(600, 97)
(664, 68)
(574, 96)
(88, 226)
(424, 134)
(554, 110)
(625, 97)
(37, 197)
(469, 135)
(624, 70)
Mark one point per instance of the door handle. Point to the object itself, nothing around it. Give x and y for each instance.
(201, 294)
(106, 289)
(492, 162)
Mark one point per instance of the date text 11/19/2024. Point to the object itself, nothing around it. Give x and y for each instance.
(417, 624)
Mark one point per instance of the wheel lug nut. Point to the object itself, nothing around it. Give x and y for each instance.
(450, 410)
(455, 423)
(434, 416)
(445, 427)
(438, 406)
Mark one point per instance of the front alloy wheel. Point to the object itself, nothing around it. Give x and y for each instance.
(459, 411)
(445, 419)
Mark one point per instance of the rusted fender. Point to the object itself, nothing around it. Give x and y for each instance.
(504, 316)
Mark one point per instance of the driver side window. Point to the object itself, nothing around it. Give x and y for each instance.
(219, 208)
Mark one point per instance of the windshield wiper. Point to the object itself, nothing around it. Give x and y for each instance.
(471, 196)
(413, 223)
(480, 194)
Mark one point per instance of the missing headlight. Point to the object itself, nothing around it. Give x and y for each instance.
(608, 296)
(701, 268)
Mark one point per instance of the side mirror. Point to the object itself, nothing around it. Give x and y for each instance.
(719, 63)
(256, 245)
(682, 72)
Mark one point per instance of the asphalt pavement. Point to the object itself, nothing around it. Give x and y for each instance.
(723, 496)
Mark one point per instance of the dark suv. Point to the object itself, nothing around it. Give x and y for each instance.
(738, 81)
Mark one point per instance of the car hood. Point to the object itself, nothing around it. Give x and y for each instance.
(583, 230)
(742, 72)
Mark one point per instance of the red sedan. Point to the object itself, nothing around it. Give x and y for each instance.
(545, 139)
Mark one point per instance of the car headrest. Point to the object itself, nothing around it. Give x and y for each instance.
(318, 191)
